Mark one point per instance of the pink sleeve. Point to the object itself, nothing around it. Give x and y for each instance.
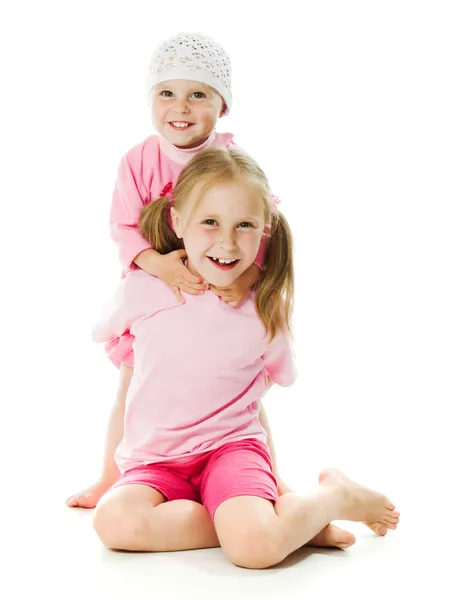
(279, 360)
(117, 316)
(129, 197)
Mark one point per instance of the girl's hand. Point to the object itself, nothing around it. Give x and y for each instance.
(237, 292)
(89, 497)
(172, 271)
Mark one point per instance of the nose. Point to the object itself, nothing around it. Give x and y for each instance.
(180, 106)
(227, 240)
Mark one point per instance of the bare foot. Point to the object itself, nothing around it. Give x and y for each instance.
(333, 537)
(89, 497)
(362, 504)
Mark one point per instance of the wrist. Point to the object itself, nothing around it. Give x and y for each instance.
(149, 261)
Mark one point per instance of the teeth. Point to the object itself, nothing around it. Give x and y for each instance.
(224, 261)
(177, 124)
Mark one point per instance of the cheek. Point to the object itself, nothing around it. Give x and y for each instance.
(249, 242)
(207, 112)
(198, 241)
(157, 111)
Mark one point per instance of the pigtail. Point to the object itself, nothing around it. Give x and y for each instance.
(154, 224)
(275, 290)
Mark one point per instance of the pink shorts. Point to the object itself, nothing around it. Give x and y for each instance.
(235, 469)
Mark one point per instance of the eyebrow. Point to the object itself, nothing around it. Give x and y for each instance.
(200, 87)
(240, 220)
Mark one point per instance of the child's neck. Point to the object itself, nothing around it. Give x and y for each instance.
(194, 145)
(182, 156)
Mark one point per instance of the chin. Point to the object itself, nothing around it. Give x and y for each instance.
(222, 279)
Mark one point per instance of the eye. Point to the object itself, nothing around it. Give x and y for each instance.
(246, 225)
(166, 94)
(198, 95)
(210, 222)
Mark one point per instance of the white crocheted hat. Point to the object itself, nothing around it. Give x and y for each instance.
(192, 56)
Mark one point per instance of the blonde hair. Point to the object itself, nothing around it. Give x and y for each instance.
(274, 291)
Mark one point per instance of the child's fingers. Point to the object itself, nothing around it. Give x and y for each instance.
(196, 286)
(221, 292)
(227, 297)
(177, 293)
(189, 277)
(194, 290)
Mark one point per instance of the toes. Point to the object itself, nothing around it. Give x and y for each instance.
(348, 542)
(389, 520)
(387, 524)
(79, 501)
(380, 529)
(340, 537)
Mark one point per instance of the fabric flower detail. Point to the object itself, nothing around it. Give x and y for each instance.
(167, 191)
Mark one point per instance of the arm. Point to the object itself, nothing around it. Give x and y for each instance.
(279, 360)
(149, 261)
(280, 368)
(114, 432)
(131, 299)
(129, 197)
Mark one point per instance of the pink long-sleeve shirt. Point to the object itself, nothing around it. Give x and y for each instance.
(143, 173)
(200, 370)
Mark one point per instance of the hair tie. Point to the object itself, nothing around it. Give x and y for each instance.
(167, 192)
(275, 201)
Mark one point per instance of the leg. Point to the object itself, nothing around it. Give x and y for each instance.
(256, 535)
(138, 518)
(332, 537)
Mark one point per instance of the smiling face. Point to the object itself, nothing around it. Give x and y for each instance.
(185, 112)
(222, 231)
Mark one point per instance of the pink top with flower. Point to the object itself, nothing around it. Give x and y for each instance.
(143, 173)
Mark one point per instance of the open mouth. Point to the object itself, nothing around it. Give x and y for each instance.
(224, 264)
(180, 125)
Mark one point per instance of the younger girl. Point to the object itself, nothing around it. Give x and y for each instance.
(189, 89)
(195, 467)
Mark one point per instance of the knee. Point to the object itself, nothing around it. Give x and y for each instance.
(255, 546)
(115, 525)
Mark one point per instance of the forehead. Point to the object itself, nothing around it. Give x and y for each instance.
(231, 199)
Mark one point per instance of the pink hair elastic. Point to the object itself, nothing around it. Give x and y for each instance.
(275, 202)
(167, 191)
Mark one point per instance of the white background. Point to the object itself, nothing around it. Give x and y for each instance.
(346, 107)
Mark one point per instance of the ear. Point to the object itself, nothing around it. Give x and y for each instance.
(176, 223)
(223, 109)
